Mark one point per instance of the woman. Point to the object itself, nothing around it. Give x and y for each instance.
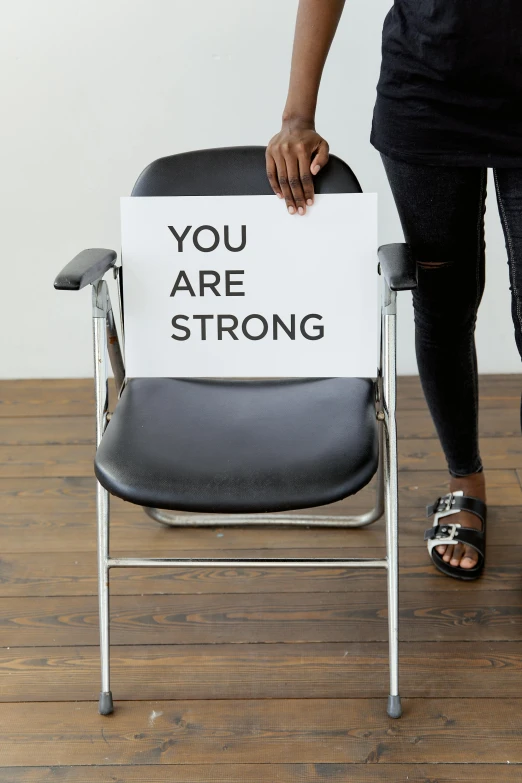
(449, 105)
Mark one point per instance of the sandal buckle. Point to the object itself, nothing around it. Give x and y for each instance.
(444, 503)
(450, 533)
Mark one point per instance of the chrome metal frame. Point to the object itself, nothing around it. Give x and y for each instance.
(105, 335)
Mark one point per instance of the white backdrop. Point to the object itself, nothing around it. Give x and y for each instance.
(93, 90)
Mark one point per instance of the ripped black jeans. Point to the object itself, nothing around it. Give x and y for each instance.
(442, 214)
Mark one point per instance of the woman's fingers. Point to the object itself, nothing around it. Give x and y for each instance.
(307, 182)
(292, 157)
(294, 180)
(320, 158)
(271, 173)
(282, 176)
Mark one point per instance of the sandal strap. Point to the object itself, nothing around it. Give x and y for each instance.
(455, 534)
(454, 502)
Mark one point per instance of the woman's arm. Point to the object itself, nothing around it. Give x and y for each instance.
(297, 151)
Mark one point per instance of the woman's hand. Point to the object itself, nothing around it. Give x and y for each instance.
(292, 156)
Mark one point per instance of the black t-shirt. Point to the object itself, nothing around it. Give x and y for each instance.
(450, 90)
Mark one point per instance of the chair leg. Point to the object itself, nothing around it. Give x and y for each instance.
(392, 551)
(105, 706)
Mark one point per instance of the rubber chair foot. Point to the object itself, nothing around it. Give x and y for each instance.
(394, 706)
(105, 705)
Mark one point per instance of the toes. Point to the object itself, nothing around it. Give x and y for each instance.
(459, 555)
(446, 552)
(470, 558)
(456, 555)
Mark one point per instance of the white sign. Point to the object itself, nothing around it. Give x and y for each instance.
(233, 286)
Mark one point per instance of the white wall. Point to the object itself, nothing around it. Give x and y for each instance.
(93, 90)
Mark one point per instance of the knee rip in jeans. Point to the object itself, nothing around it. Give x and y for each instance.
(433, 264)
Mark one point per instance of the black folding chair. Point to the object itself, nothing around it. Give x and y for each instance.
(180, 445)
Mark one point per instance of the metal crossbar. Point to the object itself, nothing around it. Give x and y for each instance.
(172, 519)
(209, 562)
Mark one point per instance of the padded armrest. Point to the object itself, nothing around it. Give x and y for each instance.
(398, 266)
(85, 268)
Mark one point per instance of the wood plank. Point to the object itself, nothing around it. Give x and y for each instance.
(493, 423)
(136, 533)
(267, 617)
(79, 430)
(46, 461)
(321, 731)
(74, 397)
(417, 487)
(74, 494)
(47, 431)
(262, 671)
(495, 391)
(427, 454)
(77, 460)
(519, 476)
(74, 573)
(49, 397)
(269, 773)
(489, 383)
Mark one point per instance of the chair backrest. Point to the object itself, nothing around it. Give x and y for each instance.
(230, 171)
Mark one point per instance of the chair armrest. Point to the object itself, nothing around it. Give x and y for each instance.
(85, 268)
(398, 266)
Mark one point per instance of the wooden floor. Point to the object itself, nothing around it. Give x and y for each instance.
(252, 676)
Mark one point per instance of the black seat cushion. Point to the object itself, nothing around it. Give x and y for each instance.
(239, 446)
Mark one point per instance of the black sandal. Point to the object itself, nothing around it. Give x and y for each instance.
(449, 534)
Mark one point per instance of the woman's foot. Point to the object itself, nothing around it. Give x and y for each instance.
(473, 486)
